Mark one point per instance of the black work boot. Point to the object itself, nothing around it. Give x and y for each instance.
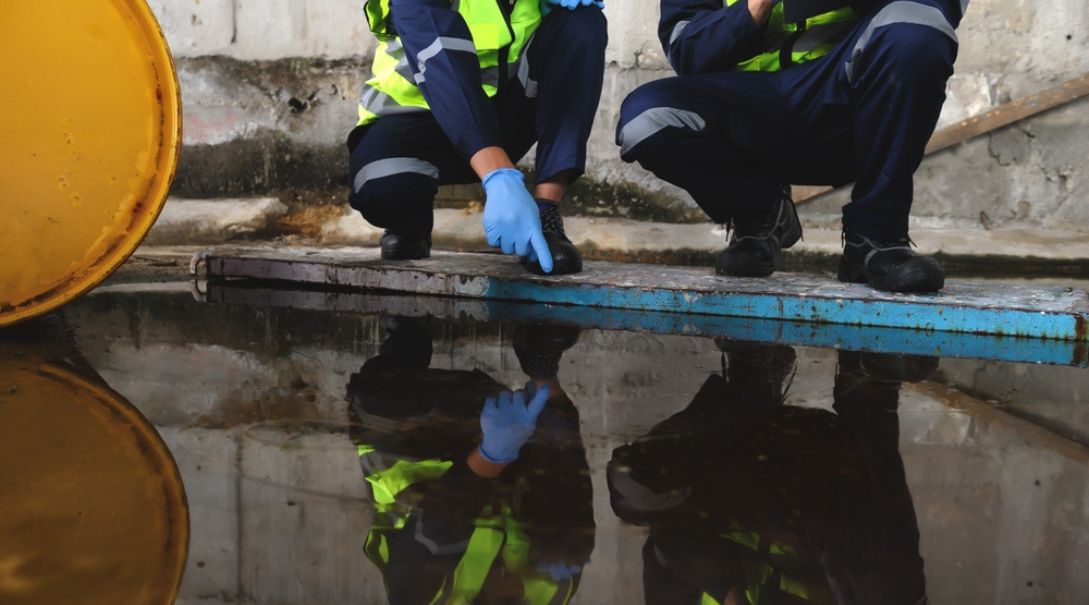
(565, 256)
(764, 369)
(891, 265)
(540, 348)
(404, 247)
(757, 243)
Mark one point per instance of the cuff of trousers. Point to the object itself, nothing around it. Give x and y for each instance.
(548, 173)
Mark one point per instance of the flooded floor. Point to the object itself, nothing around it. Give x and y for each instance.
(268, 454)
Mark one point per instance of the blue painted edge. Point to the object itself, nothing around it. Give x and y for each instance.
(831, 336)
(907, 314)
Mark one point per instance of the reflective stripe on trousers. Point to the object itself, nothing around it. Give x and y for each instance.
(391, 167)
(903, 11)
(653, 121)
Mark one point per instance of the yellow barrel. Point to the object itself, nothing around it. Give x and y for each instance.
(94, 510)
(90, 127)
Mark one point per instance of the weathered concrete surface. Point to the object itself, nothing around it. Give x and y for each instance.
(276, 494)
(608, 236)
(1008, 251)
(214, 221)
(271, 87)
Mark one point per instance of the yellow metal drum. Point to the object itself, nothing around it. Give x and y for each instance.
(94, 510)
(90, 127)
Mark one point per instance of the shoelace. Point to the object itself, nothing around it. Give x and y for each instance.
(551, 219)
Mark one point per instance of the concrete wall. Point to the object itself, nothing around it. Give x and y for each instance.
(270, 89)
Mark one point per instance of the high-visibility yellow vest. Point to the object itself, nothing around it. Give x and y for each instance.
(499, 38)
(494, 536)
(787, 44)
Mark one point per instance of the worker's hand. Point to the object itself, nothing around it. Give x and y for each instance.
(761, 10)
(512, 220)
(508, 422)
(573, 4)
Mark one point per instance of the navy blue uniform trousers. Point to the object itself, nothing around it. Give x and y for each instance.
(398, 162)
(863, 113)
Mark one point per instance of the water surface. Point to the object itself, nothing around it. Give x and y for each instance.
(326, 457)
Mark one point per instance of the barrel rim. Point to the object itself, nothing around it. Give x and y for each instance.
(157, 454)
(158, 186)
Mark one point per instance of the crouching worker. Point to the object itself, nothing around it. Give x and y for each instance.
(463, 89)
(770, 94)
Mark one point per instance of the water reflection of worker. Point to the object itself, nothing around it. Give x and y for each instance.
(481, 494)
(752, 501)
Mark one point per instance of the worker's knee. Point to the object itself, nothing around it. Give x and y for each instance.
(916, 51)
(908, 53)
(648, 117)
(400, 201)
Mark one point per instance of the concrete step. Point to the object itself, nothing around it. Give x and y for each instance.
(462, 229)
(964, 247)
(214, 221)
(1007, 310)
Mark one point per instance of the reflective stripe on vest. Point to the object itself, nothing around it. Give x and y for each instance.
(393, 89)
(389, 479)
(760, 574)
(813, 39)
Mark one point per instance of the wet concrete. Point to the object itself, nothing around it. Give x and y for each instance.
(664, 468)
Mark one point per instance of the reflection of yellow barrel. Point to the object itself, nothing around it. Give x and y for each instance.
(93, 506)
(90, 128)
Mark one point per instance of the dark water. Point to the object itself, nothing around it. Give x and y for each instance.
(342, 457)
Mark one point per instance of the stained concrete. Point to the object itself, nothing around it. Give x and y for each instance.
(214, 221)
(462, 229)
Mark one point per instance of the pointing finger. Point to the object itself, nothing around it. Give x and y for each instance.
(544, 255)
(539, 400)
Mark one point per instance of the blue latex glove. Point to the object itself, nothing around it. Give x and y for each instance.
(508, 422)
(512, 221)
(571, 4)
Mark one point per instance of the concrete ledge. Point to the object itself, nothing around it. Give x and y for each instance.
(462, 229)
(214, 221)
(1052, 313)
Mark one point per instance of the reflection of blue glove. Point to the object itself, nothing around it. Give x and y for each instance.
(512, 220)
(508, 423)
(560, 572)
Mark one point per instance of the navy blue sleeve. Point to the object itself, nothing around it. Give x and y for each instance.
(444, 63)
(701, 36)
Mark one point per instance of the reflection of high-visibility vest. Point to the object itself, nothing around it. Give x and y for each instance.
(500, 38)
(787, 44)
(762, 578)
(494, 536)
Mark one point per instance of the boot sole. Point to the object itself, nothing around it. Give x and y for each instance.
(913, 282)
(403, 256)
(557, 269)
(747, 270)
